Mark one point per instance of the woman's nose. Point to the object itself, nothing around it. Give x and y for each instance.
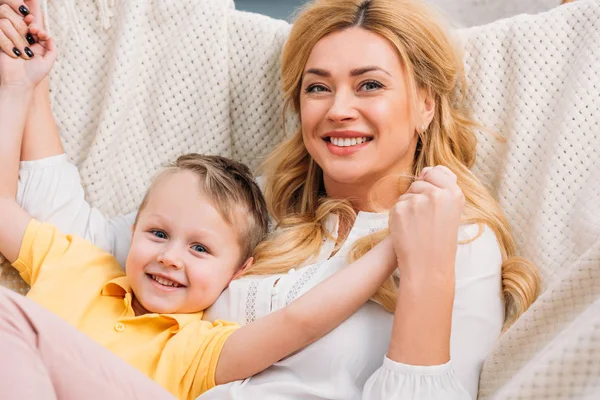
(343, 107)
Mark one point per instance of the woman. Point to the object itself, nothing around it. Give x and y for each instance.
(376, 85)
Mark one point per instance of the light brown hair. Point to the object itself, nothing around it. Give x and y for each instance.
(294, 182)
(233, 190)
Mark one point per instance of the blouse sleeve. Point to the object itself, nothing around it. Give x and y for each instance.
(477, 319)
(50, 190)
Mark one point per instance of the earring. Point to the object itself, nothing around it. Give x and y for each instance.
(422, 128)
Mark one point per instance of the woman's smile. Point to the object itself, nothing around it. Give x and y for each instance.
(344, 143)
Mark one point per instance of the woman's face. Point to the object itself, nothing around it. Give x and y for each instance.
(355, 110)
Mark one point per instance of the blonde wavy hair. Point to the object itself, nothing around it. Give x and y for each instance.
(294, 182)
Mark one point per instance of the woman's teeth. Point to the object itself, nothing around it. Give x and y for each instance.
(346, 142)
(165, 282)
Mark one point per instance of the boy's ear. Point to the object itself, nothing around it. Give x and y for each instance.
(247, 264)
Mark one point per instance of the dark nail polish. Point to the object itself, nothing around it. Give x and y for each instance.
(29, 38)
(24, 10)
(17, 52)
(28, 52)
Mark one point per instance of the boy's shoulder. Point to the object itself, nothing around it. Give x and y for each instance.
(46, 249)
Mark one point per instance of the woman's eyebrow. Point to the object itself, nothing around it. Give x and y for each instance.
(355, 72)
(364, 70)
(317, 71)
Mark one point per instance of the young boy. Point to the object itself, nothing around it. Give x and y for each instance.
(194, 233)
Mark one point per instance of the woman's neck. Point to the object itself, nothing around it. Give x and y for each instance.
(367, 196)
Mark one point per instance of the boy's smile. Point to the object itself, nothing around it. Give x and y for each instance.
(183, 252)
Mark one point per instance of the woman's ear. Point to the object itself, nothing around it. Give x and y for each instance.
(247, 264)
(426, 107)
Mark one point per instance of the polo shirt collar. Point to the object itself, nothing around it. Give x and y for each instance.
(117, 287)
(120, 287)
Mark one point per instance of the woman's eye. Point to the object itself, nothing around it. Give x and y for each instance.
(371, 85)
(199, 248)
(159, 234)
(316, 89)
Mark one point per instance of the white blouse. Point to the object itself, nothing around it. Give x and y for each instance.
(350, 361)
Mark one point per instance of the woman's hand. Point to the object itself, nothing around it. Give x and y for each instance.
(16, 71)
(424, 227)
(16, 39)
(22, 39)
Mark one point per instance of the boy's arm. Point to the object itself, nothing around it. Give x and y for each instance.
(14, 105)
(267, 340)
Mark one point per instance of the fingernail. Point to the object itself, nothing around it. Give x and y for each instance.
(17, 52)
(24, 10)
(28, 52)
(29, 38)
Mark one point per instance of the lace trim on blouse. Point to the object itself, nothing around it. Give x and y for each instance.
(251, 302)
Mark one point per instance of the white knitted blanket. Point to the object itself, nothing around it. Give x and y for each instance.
(142, 81)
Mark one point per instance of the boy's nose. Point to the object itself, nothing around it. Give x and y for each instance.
(170, 258)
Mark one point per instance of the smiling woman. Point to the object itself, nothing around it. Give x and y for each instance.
(376, 85)
(357, 119)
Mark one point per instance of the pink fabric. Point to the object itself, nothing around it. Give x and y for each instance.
(42, 357)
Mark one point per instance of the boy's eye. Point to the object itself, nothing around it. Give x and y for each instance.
(199, 248)
(159, 234)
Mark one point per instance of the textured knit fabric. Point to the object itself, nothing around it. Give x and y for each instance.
(479, 12)
(87, 287)
(173, 77)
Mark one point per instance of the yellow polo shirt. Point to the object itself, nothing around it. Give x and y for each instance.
(86, 286)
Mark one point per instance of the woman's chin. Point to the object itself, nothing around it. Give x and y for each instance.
(346, 175)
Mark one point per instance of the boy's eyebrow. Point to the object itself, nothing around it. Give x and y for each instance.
(355, 72)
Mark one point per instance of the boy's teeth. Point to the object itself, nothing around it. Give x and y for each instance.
(346, 142)
(165, 282)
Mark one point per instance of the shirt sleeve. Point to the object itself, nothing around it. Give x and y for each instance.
(477, 319)
(45, 248)
(50, 190)
(201, 376)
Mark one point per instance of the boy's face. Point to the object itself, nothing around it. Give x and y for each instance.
(183, 253)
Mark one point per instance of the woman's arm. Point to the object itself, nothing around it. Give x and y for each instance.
(18, 78)
(477, 318)
(425, 227)
(50, 187)
(40, 139)
(14, 104)
(267, 340)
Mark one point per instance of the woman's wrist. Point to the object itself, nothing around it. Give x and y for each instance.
(17, 92)
(422, 323)
(427, 278)
(41, 93)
